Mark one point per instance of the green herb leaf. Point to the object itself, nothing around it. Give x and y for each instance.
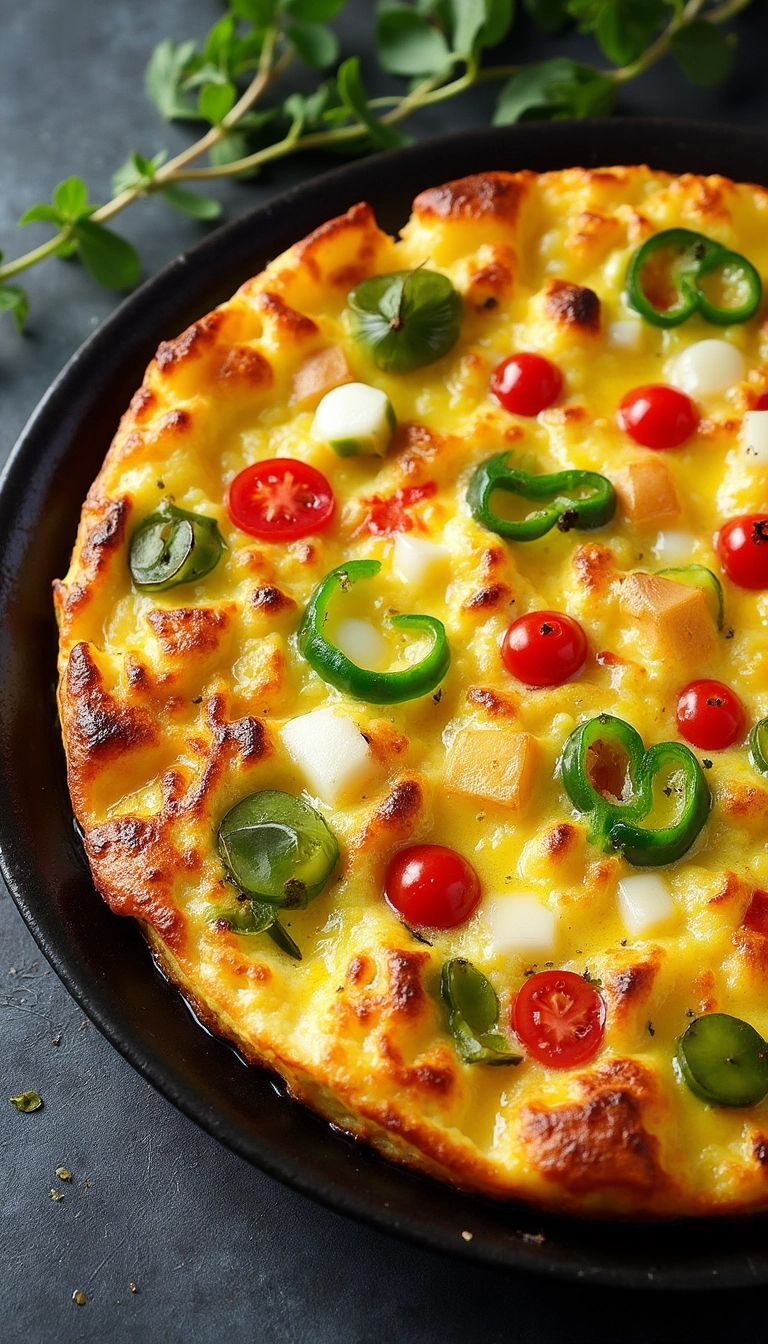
(499, 17)
(228, 150)
(317, 46)
(168, 66)
(557, 88)
(137, 172)
(550, 16)
(355, 99)
(70, 199)
(191, 202)
(468, 18)
(215, 101)
(261, 13)
(40, 212)
(110, 259)
(704, 53)
(13, 300)
(407, 44)
(27, 1101)
(282, 937)
(623, 28)
(218, 43)
(313, 11)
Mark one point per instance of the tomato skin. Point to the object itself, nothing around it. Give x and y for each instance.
(559, 1017)
(710, 715)
(432, 885)
(762, 402)
(742, 548)
(280, 499)
(756, 913)
(526, 383)
(544, 648)
(657, 416)
(384, 516)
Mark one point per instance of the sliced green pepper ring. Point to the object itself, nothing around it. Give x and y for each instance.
(171, 546)
(724, 1061)
(473, 1014)
(277, 849)
(605, 760)
(580, 499)
(758, 746)
(376, 688)
(693, 258)
(698, 576)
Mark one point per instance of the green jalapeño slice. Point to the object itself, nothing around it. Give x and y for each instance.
(376, 688)
(277, 849)
(405, 319)
(677, 273)
(171, 547)
(610, 776)
(473, 1014)
(566, 499)
(724, 1061)
(758, 746)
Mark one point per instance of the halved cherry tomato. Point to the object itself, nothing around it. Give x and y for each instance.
(280, 499)
(544, 648)
(756, 913)
(710, 715)
(742, 548)
(526, 384)
(432, 885)
(658, 416)
(762, 402)
(560, 1018)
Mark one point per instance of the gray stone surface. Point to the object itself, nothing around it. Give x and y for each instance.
(216, 1250)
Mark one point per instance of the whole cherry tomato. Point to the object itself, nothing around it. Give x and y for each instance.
(280, 499)
(544, 648)
(560, 1018)
(710, 715)
(658, 416)
(762, 402)
(742, 548)
(526, 384)
(432, 885)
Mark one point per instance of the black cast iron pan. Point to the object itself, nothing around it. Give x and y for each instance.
(101, 958)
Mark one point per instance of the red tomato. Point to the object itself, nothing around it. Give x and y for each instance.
(658, 416)
(432, 885)
(756, 913)
(544, 648)
(710, 715)
(280, 500)
(526, 384)
(742, 547)
(762, 402)
(559, 1018)
(384, 517)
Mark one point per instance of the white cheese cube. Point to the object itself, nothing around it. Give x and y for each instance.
(674, 547)
(521, 924)
(355, 419)
(754, 436)
(331, 753)
(416, 560)
(645, 903)
(708, 367)
(362, 643)
(626, 334)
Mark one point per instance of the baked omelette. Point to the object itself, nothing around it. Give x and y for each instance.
(414, 683)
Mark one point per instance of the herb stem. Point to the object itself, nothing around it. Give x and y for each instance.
(661, 46)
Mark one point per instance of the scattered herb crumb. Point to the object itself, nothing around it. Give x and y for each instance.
(437, 697)
(56, 1195)
(63, 1174)
(133, 1287)
(467, 1236)
(27, 1101)
(623, 943)
(592, 979)
(651, 1029)
(79, 1297)
(690, 1013)
(707, 764)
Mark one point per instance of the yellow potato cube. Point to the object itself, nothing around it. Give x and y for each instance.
(319, 374)
(647, 492)
(497, 765)
(675, 617)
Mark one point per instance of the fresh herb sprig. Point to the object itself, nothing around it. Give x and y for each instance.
(439, 46)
